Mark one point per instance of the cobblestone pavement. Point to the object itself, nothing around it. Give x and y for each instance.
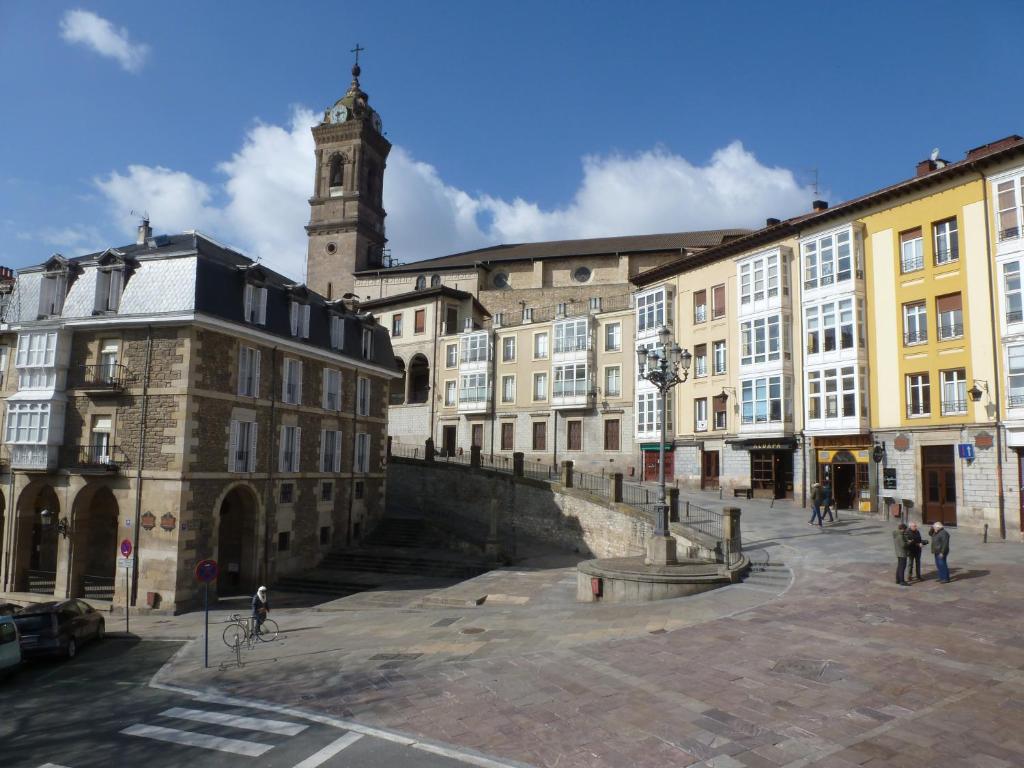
(817, 660)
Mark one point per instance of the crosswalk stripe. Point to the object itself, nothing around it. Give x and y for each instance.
(282, 727)
(325, 754)
(193, 739)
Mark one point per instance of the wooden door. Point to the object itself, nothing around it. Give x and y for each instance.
(478, 435)
(709, 469)
(651, 466)
(448, 436)
(939, 484)
(574, 435)
(507, 435)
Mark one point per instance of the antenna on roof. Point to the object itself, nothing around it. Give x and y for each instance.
(934, 155)
(814, 176)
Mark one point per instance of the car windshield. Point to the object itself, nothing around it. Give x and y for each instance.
(34, 622)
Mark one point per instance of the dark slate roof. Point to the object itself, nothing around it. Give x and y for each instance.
(975, 160)
(220, 277)
(427, 293)
(554, 249)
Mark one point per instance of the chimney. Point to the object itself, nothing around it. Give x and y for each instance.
(145, 232)
(772, 222)
(819, 205)
(926, 166)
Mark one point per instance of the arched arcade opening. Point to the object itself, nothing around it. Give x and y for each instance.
(238, 517)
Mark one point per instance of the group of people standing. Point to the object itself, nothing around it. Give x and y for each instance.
(909, 544)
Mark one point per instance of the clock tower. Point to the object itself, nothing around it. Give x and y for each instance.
(346, 218)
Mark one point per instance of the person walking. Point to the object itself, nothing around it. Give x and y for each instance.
(914, 546)
(826, 492)
(260, 609)
(940, 548)
(899, 540)
(816, 498)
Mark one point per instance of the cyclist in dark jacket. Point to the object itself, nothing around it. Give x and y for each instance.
(260, 609)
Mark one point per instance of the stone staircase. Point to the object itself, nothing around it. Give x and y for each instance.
(400, 551)
(768, 576)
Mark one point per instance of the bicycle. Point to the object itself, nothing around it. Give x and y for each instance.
(239, 631)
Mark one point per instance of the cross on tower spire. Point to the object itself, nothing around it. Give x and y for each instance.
(357, 51)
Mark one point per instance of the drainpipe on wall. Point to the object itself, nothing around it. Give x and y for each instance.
(132, 599)
(268, 487)
(803, 450)
(997, 400)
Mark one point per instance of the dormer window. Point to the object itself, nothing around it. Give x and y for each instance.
(367, 344)
(337, 332)
(109, 285)
(52, 290)
(299, 316)
(254, 308)
(421, 282)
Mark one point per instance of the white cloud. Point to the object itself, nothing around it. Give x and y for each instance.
(261, 206)
(92, 31)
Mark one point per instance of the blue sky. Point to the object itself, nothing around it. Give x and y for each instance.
(514, 121)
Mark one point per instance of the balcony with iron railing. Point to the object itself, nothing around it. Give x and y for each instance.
(1015, 399)
(96, 458)
(949, 331)
(105, 377)
(915, 337)
(1014, 316)
(953, 407)
(912, 263)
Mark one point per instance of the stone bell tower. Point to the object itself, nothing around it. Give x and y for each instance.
(346, 218)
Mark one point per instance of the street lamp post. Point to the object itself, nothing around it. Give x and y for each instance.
(663, 365)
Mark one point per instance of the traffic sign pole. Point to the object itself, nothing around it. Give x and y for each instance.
(126, 552)
(206, 571)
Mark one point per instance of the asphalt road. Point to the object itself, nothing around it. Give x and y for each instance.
(98, 710)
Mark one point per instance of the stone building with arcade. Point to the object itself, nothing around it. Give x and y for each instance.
(175, 394)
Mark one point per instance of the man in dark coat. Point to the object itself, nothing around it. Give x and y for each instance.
(899, 540)
(940, 548)
(260, 609)
(826, 492)
(816, 498)
(914, 546)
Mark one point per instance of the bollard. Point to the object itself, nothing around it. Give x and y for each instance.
(984, 535)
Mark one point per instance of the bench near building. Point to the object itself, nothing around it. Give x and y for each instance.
(178, 395)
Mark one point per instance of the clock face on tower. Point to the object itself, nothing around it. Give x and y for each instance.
(338, 113)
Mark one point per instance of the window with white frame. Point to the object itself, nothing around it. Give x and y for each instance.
(473, 388)
(450, 392)
(700, 414)
(109, 284)
(700, 360)
(362, 458)
(540, 346)
(35, 360)
(950, 316)
(700, 306)
(571, 380)
(99, 439)
(612, 381)
(718, 357)
(915, 323)
(1012, 292)
(3, 366)
(508, 349)
(476, 348)
(298, 316)
(53, 289)
(648, 412)
(720, 412)
(254, 305)
(451, 355)
(1009, 208)
(109, 354)
(1015, 370)
(759, 277)
(367, 344)
(919, 395)
(945, 241)
(954, 391)
(832, 393)
(761, 400)
(572, 336)
(362, 396)
(911, 250)
(248, 371)
(651, 311)
(288, 458)
(613, 337)
(337, 332)
(540, 386)
(332, 389)
(28, 423)
(508, 389)
(828, 259)
(396, 325)
(242, 450)
(760, 340)
(291, 381)
(330, 450)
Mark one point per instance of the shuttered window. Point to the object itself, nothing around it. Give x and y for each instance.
(611, 435)
(718, 302)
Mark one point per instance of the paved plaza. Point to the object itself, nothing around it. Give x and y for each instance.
(818, 659)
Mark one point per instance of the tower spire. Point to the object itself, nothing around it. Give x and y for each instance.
(356, 71)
